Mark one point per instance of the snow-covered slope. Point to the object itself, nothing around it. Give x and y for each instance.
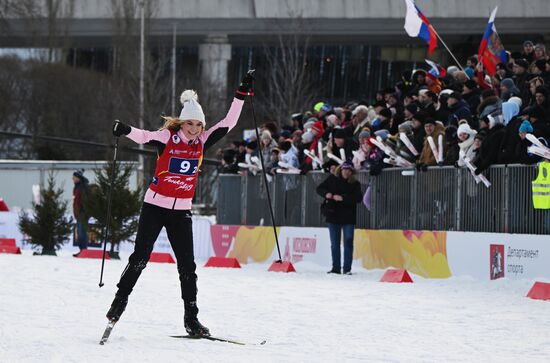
(51, 310)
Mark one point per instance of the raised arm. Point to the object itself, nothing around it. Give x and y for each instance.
(140, 136)
(220, 129)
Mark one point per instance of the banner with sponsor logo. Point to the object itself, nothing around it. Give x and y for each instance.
(496, 255)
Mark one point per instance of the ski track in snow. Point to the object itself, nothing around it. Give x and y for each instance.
(52, 310)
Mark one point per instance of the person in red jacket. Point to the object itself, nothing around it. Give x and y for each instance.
(168, 199)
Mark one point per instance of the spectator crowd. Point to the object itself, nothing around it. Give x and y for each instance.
(484, 118)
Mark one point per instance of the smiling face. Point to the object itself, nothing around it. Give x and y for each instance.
(191, 128)
(463, 136)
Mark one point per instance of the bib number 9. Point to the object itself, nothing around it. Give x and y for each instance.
(183, 166)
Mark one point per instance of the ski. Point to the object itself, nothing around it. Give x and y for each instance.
(215, 339)
(107, 331)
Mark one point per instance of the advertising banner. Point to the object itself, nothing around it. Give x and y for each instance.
(496, 255)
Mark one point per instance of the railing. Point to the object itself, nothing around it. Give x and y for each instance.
(445, 198)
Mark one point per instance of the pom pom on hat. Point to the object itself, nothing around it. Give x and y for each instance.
(188, 95)
(192, 109)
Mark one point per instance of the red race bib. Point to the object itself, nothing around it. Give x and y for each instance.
(177, 168)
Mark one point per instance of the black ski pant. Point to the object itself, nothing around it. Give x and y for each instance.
(178, 226)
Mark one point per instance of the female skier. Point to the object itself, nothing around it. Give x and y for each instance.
(168, 200)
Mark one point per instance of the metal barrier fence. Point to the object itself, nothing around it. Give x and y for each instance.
(446, 199)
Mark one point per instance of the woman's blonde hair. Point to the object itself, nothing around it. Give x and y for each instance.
(172, 123)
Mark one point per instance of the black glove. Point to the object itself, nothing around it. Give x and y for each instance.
(419, 166)
(245, 88)
(120, 128)
(477, 171)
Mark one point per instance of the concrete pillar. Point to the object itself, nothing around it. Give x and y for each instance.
(214, 55)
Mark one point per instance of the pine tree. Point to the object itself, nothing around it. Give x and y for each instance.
(50, 227)
(125, 205)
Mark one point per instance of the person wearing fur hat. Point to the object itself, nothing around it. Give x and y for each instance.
(267, 145)
(419, 78)
(168, 199)
(341, 193)
(433, 129)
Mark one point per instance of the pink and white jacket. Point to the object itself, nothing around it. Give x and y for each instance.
(208, 138)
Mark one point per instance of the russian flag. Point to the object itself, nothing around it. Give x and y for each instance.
(491, 51)
(418, 26)
(436, 70)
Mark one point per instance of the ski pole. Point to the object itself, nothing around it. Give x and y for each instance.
(108, 220)
(265, 181)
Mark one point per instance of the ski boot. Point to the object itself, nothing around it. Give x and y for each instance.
(117, 308)
(194, 328)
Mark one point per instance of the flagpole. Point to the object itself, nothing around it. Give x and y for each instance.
(448, 50)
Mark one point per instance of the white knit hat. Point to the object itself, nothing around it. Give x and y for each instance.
(465, 129)
(192, 110)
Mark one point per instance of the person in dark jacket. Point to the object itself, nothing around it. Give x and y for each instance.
(491, 148)
(418, 131)
(523, 156)
(229, 166)
(80, 192)
(342, 193)
(459, 110)
(451, 146)
(471, 94)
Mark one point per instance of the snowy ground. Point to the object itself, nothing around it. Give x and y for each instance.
(51, 310)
